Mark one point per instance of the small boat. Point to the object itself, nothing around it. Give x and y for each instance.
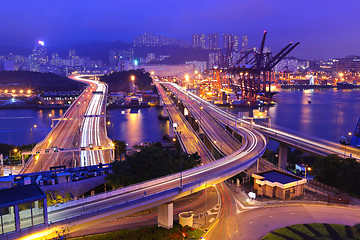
(309, 101)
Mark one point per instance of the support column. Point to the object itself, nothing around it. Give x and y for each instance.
(165, 112)
(171, 129)
(23, 160)
(165, 215)
(17, 217)
(46, 219)
(283, 155)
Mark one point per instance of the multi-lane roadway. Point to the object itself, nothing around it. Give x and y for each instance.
(81, 130)
(309, 144)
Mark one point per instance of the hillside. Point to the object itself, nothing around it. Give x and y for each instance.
(38, 81)
(119, 81)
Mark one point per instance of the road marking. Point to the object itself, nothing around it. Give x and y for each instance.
(211, 228)
(292, 213)
(251, 222)
(270, 216)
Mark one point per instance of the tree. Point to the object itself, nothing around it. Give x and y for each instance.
(338, 172)
(119, 81)
(151, 162)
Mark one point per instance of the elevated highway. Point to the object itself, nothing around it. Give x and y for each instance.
(313, 145)
(75, 140)
(310, 144)
(163, 190)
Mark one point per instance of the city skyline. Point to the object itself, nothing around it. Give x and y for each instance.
(325, 29)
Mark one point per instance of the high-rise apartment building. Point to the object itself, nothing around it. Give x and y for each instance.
(230, 39)
(244, 43)
(39, 57)
(214, 59)
(116, 56)
(213, 41)
(151, 39)
(199, 41)
(72, 53)
(236, 46)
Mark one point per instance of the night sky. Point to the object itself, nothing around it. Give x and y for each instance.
(325, 28)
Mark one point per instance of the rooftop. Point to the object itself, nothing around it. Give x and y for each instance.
(19, 195)
(280, 177)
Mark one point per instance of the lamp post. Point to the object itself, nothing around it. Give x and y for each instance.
(307, 169)
(133, 82)
(205, 204)
(180, 161)
(201, 108)
(174, 139)
(47, 120)
(349, 141)
(32, 136)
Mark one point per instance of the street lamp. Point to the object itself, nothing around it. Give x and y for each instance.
(132, 77)
(15, 150)
(32, 136)
(307, 169)
(174, 139)
(49, 116)
(180, 161)
(201, 108)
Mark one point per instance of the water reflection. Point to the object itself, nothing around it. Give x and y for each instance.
(332, 113)
(136, 125)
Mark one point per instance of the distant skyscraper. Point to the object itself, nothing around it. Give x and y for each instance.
(116, 56)
(72, 53)
(39, 57)
(199, 41)
(236, 43)
(244, 43)
(229, 39)
(213, 41)
(151, 39)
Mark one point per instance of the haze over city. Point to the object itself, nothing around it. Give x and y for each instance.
(325, 29)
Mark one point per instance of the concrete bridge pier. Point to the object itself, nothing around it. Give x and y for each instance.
(171, 129)
(165, 113)
(283, 155)
(165, 215)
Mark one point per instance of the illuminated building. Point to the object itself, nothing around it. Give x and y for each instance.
(199, 41)
(213, 41)
(199, 66)
(38, 59)
(151, 39)
(244, 43)
(118, 57)
(214, 59)
(230, 39)
(349, 63)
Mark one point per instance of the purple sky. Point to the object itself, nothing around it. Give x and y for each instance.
(325, 28)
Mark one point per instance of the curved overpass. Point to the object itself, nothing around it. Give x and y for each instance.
(81, 126)
(162, 190)
(309, 144)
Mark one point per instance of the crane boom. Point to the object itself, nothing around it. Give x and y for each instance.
(284, 55)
